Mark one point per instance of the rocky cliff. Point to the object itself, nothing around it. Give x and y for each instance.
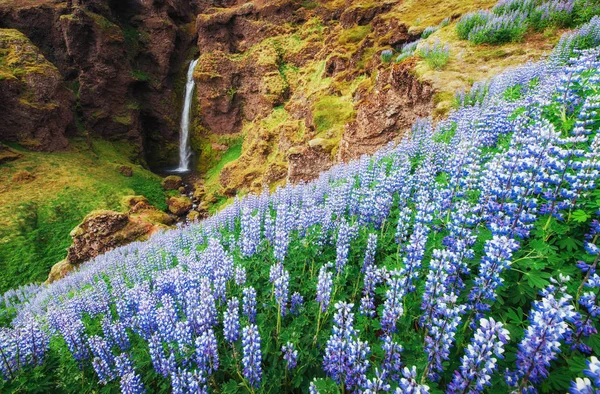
(121, 61)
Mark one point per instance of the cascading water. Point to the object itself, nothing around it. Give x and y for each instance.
(185, 152)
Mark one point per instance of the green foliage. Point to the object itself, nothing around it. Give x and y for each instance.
(436, 56)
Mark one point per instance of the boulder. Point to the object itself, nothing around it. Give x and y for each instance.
(126, 171)
(179, 205)
(172, 182)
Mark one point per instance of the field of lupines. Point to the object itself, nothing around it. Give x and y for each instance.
(461, 260)
(509, 20)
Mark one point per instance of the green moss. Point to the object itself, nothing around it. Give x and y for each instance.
(124, 119)
(231, 154)
(354, 35)
(330, 113)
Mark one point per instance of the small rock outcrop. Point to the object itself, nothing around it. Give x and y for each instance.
(102, 231)
(179, 205)
(172, 182)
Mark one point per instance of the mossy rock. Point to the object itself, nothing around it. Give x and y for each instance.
(179, 205)
(172, 182)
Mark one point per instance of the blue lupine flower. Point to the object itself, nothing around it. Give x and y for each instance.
(231, 320)
(548, 326)
(345, 359)
(585, 385)
(249, 303)
(478, 363)
(252, 355)
(324, 285)
(290, 355)
(207, 353)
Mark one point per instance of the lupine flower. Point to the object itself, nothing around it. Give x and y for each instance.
(392, 363)
(408, 383)
(281, 289)
(290, 355)
(207, 354)
(370, 252)
(297, 301)
(249, 303)
(240, 276)
(324, 286)
(479, 363)
(345, 359)
(585, 385)
(231, 320)
(131, 383)
(548, 326)
(252, 355)
(392, 307)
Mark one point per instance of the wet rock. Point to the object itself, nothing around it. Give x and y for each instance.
(172, 182)
(179, 205)
(102, 231)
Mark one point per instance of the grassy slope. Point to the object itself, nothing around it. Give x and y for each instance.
(36, 216)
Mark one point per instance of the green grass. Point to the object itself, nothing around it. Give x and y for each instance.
(36, 217)
(231, 154)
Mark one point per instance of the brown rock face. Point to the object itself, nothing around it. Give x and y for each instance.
(232, 91)
(308, 164)
(122, 58)
(34, 101)
(386, 113)
(102, 231)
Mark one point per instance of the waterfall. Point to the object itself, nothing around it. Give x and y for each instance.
(185, 151)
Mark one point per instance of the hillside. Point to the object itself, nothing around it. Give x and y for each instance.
(461, 258)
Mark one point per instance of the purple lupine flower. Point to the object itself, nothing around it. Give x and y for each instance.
(252, 359)
(231, 320)
(370, 252)
(408, 383)
(479, 363)
(345, 359)
(184, 382)
(392, 363)
(377, 384)
(290, 355)
(131, 383)
(324, 286)
(585, 385)
(342, 247)
(440, 337)
(548, 326)
(392, 307)
(297, 301)
(240, 276)
(250, 232)
(497, 259)
(103, 358)
(281, 289)
(249, 303)
(207, 353)
(373, 277)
